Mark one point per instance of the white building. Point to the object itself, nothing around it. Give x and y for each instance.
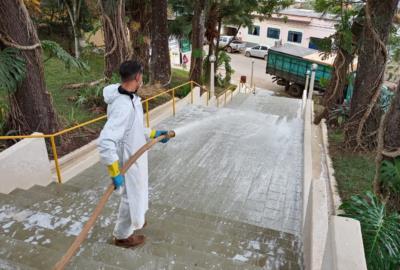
(296, 26)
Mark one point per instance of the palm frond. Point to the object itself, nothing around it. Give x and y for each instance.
(380, 230)
(53, 49)
(12, 69)
(390, 174)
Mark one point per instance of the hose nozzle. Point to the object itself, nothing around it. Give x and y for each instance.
(170, 134)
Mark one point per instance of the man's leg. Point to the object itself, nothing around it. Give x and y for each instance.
(123, 231)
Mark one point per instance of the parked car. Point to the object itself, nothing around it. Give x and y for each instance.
(234, 45)
(257, 51)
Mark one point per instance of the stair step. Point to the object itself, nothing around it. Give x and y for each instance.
(193, 258)
(129, 258)
(10, 265)
(55, 189)
(39, 257)
(157, 233)
(34, 196)
(36, 235)
(94, 176)
(79, 263)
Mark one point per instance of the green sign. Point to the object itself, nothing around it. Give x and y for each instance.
(185, 45)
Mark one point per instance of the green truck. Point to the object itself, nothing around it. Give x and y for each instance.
(289, 63)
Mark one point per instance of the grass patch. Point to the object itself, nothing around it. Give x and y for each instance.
(354, 172)
(56, 76)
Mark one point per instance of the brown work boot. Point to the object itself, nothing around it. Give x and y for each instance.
(131, 241)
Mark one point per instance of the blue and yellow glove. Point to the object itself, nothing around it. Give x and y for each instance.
(116, 176)
(157, 133)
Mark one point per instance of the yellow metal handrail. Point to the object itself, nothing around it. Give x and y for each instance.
(231, 89)
(52, 136)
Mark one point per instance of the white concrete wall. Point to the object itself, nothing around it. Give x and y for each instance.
(24, 164)
(316, 28)
(344, 246)
(330, 242)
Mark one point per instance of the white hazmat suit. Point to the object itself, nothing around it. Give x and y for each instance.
(122, 135)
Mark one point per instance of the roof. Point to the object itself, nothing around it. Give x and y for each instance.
(293, 50)
(307, 13)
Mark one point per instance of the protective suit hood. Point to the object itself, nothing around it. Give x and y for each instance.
(110, 93)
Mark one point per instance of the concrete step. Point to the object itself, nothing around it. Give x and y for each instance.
(37, 235)
(94, 176)
(130, 258)
(39, 257)
(10, 265)
(35, 196)
(193, 258)
(55, 189)
(226, 238)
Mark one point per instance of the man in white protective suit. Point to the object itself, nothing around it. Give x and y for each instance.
(123, 134)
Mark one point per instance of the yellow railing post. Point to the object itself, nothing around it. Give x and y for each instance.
(147, 114)
(191, 91)
(53, 146)
(225, 99)
(173, 102)
(208, 96)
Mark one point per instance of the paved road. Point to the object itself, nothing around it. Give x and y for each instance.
(242, 66)
(243, 162)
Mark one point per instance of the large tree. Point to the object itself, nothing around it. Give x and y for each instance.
(364, 111)
(160, 60)
(115, 35)
(139, 13)
(196, 62)
(31, 105)
(345, 45)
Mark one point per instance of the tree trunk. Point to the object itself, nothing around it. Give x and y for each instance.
(211, 23)
(160, 61)
(392, 129)
(139, 13)
(217, 45)
(73, 14)
(196, 62)
(115, 35)
(334, 92)
(364, 112)
(31, 97)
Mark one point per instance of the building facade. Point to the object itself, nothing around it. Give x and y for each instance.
(297, 26)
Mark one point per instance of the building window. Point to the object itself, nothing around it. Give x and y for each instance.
(273, 33)
(294, 36)
(320, 43)
(254, 30)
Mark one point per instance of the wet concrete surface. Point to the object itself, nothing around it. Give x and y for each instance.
(242, 162)
(225, 194)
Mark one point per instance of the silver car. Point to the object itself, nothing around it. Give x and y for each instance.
(257, 51)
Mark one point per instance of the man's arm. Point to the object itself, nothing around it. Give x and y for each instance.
(112, 133)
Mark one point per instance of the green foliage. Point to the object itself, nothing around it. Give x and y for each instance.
(390, 175)
(182, 91)
(12, 69)
(53, 49)
(225, 60)
(324, 82)
(91, 97)
(380, 230)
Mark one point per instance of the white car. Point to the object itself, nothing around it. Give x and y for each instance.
(257, 51)
(234, 45)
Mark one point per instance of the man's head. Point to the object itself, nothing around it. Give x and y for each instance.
(131, 73)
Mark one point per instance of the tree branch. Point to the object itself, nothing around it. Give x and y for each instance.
(18, 46)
